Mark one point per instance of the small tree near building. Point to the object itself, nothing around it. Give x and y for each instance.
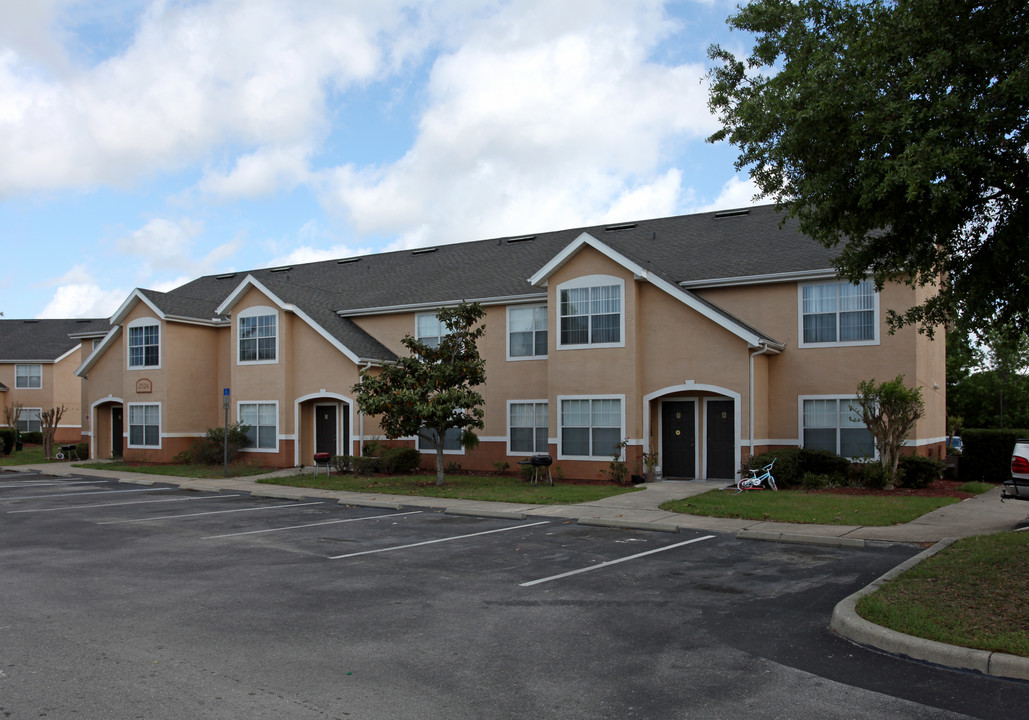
(432, 390)
(49, 420)
(890, 410)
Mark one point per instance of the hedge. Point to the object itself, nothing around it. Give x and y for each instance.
(986, 456)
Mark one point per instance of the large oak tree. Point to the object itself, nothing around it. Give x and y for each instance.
(896, 130)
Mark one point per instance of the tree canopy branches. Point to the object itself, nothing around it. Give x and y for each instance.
(895, 130)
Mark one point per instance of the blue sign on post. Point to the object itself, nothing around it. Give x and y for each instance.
(225, 399)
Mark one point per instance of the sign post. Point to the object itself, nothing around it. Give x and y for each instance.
(225, 437)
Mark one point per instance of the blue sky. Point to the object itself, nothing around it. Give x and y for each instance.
(146, 142)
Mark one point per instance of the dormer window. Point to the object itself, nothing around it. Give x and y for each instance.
(258, 335)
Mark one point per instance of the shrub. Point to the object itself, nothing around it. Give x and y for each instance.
(453, 467)
(364, 465)
(210, 449)
(791, 464)
(398, 460)
(915, 471)
(501, 466)
(342, 463)
(32, 438)
(987, 454)
(871, 475)
(815, 481)
(8, 436)
(82, 451)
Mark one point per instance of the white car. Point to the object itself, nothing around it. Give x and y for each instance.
(1018, 485)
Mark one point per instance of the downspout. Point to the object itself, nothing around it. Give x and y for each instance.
(763, 351)
(360, 417)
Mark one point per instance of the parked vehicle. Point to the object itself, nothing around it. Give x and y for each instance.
(955, 444)
(1018, 486)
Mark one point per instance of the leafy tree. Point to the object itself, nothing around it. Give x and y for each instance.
(890, 410)
(896, 128)
(434, 388)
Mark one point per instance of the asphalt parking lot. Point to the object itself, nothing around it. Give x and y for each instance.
(127, 602)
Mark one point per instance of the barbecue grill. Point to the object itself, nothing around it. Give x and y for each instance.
(538, 463)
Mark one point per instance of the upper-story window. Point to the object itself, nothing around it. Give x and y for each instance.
(591, 312)
(258, 335)
(527, 331)
(28, 377)
(838, 313)
(144, 343)
(429, 329)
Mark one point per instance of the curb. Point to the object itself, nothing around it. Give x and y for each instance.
(801, 539)
(848, 624)
(629, 524)
(499, 514)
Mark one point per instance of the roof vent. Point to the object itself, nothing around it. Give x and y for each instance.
(347, 261)
(527, 238)
(287, 268)
(731, 213)
(424, 251)
(226, 276)
(31, 322)
(623, 226)
(83, 321)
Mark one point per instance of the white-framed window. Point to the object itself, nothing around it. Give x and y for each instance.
(428, 329)
(28, 377)
(526, 332)
(144, 343)
(262, 419)
(451, 441)
(527, 427)
(591, 312)
(590, 427)
(258, 336)
(30, 420)
(839, 313)
(834, 423)
(145, 425)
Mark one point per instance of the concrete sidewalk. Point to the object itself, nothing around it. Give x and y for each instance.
(983, 514)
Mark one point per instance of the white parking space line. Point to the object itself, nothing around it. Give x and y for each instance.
(212, 512)
(613, 562)
(299, 527)
(48, 484)
(84, 494)
(432, 542)
(130, 502)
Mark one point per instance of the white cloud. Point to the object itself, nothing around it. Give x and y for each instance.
(80, 300)
(259, 173)
(548, 115)
(735, 193)
(162, 242)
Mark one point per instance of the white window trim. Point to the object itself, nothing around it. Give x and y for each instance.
(39, 415)
(127, 425)
(850, 343)
(443, 331)
(18, 377)
(800, 422)
(257, 311)
(542, 401)
(240, 403)
(560, 435)
(507, 336)
(143, 322)
(588, 281)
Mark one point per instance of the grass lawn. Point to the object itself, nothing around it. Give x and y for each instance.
(179, 470)
(30, 455)
(971, 594)
(799, 506)
(466, 487)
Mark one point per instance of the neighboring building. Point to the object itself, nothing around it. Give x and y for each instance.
(705, 338)
(38, 359)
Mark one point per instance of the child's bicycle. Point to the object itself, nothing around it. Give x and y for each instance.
(758, 480)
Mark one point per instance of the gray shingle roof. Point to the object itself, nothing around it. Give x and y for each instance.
(44, 340)
(681, 249)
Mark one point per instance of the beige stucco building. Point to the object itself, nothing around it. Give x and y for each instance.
(703, 339)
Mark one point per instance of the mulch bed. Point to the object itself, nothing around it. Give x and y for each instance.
(939, 488)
